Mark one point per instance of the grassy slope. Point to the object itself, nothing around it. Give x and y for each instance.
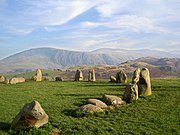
(157, 114)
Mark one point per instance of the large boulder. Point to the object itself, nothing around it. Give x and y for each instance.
(131, 93)
(31, 115)
(89, 108)
(112, 100)
(78, 75)
(121, 77)
(136, 75)
(38, 76)
(91, 75)
(97, 102)
(2, 79)
(17, 80)
(144, 85)
(112, 79)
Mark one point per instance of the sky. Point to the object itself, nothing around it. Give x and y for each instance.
(86, 25)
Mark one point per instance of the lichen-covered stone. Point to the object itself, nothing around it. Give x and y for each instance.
(112, 100)
(31, 115)
(130, 93)
(79, 75)
(121, 77)
(2, 78)
(91, 75)
(97, 102)
(144, 85)
(89, 108)
(112, 79)
(38, 76)
(136, 76)
(17, 80)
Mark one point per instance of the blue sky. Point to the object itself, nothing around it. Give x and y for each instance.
(86, 25)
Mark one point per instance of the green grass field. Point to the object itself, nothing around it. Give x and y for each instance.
(157, 114)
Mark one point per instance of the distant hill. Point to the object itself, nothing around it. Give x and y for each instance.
(158, 67)
(51, 58)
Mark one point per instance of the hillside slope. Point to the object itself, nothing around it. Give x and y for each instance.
(51, 58)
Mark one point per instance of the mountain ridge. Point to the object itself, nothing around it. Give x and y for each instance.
(52, 58)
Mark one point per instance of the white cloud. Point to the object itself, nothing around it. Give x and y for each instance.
(89, 24)
(129, 22)
(61, 12)
(34, 14)
(109, 8)
(110, 23)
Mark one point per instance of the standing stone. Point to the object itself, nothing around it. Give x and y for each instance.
(2, 78)
(79, 75)
(31, 115)
(91, 75)
(144, 85)
(121, 77)
(112, 79)
(131, 93)
(17, 80)
(38, 75)
(6, 81)
(59, 78)
(136, 76)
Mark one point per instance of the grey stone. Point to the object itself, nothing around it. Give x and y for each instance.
(31, 115)
(131, 93)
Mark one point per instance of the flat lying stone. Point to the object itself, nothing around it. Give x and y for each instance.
(17, 80)
(89, 108)
(112, 100)
(97, 102)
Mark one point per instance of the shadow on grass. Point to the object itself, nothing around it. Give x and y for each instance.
(78, 95)
(87, 96)
(98, 85)
(78, 114)
(5, 127)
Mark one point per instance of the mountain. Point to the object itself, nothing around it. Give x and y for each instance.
(141, 53)
(158, 67)
(51, 58)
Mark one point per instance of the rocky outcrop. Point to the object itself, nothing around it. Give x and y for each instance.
(31, 115)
